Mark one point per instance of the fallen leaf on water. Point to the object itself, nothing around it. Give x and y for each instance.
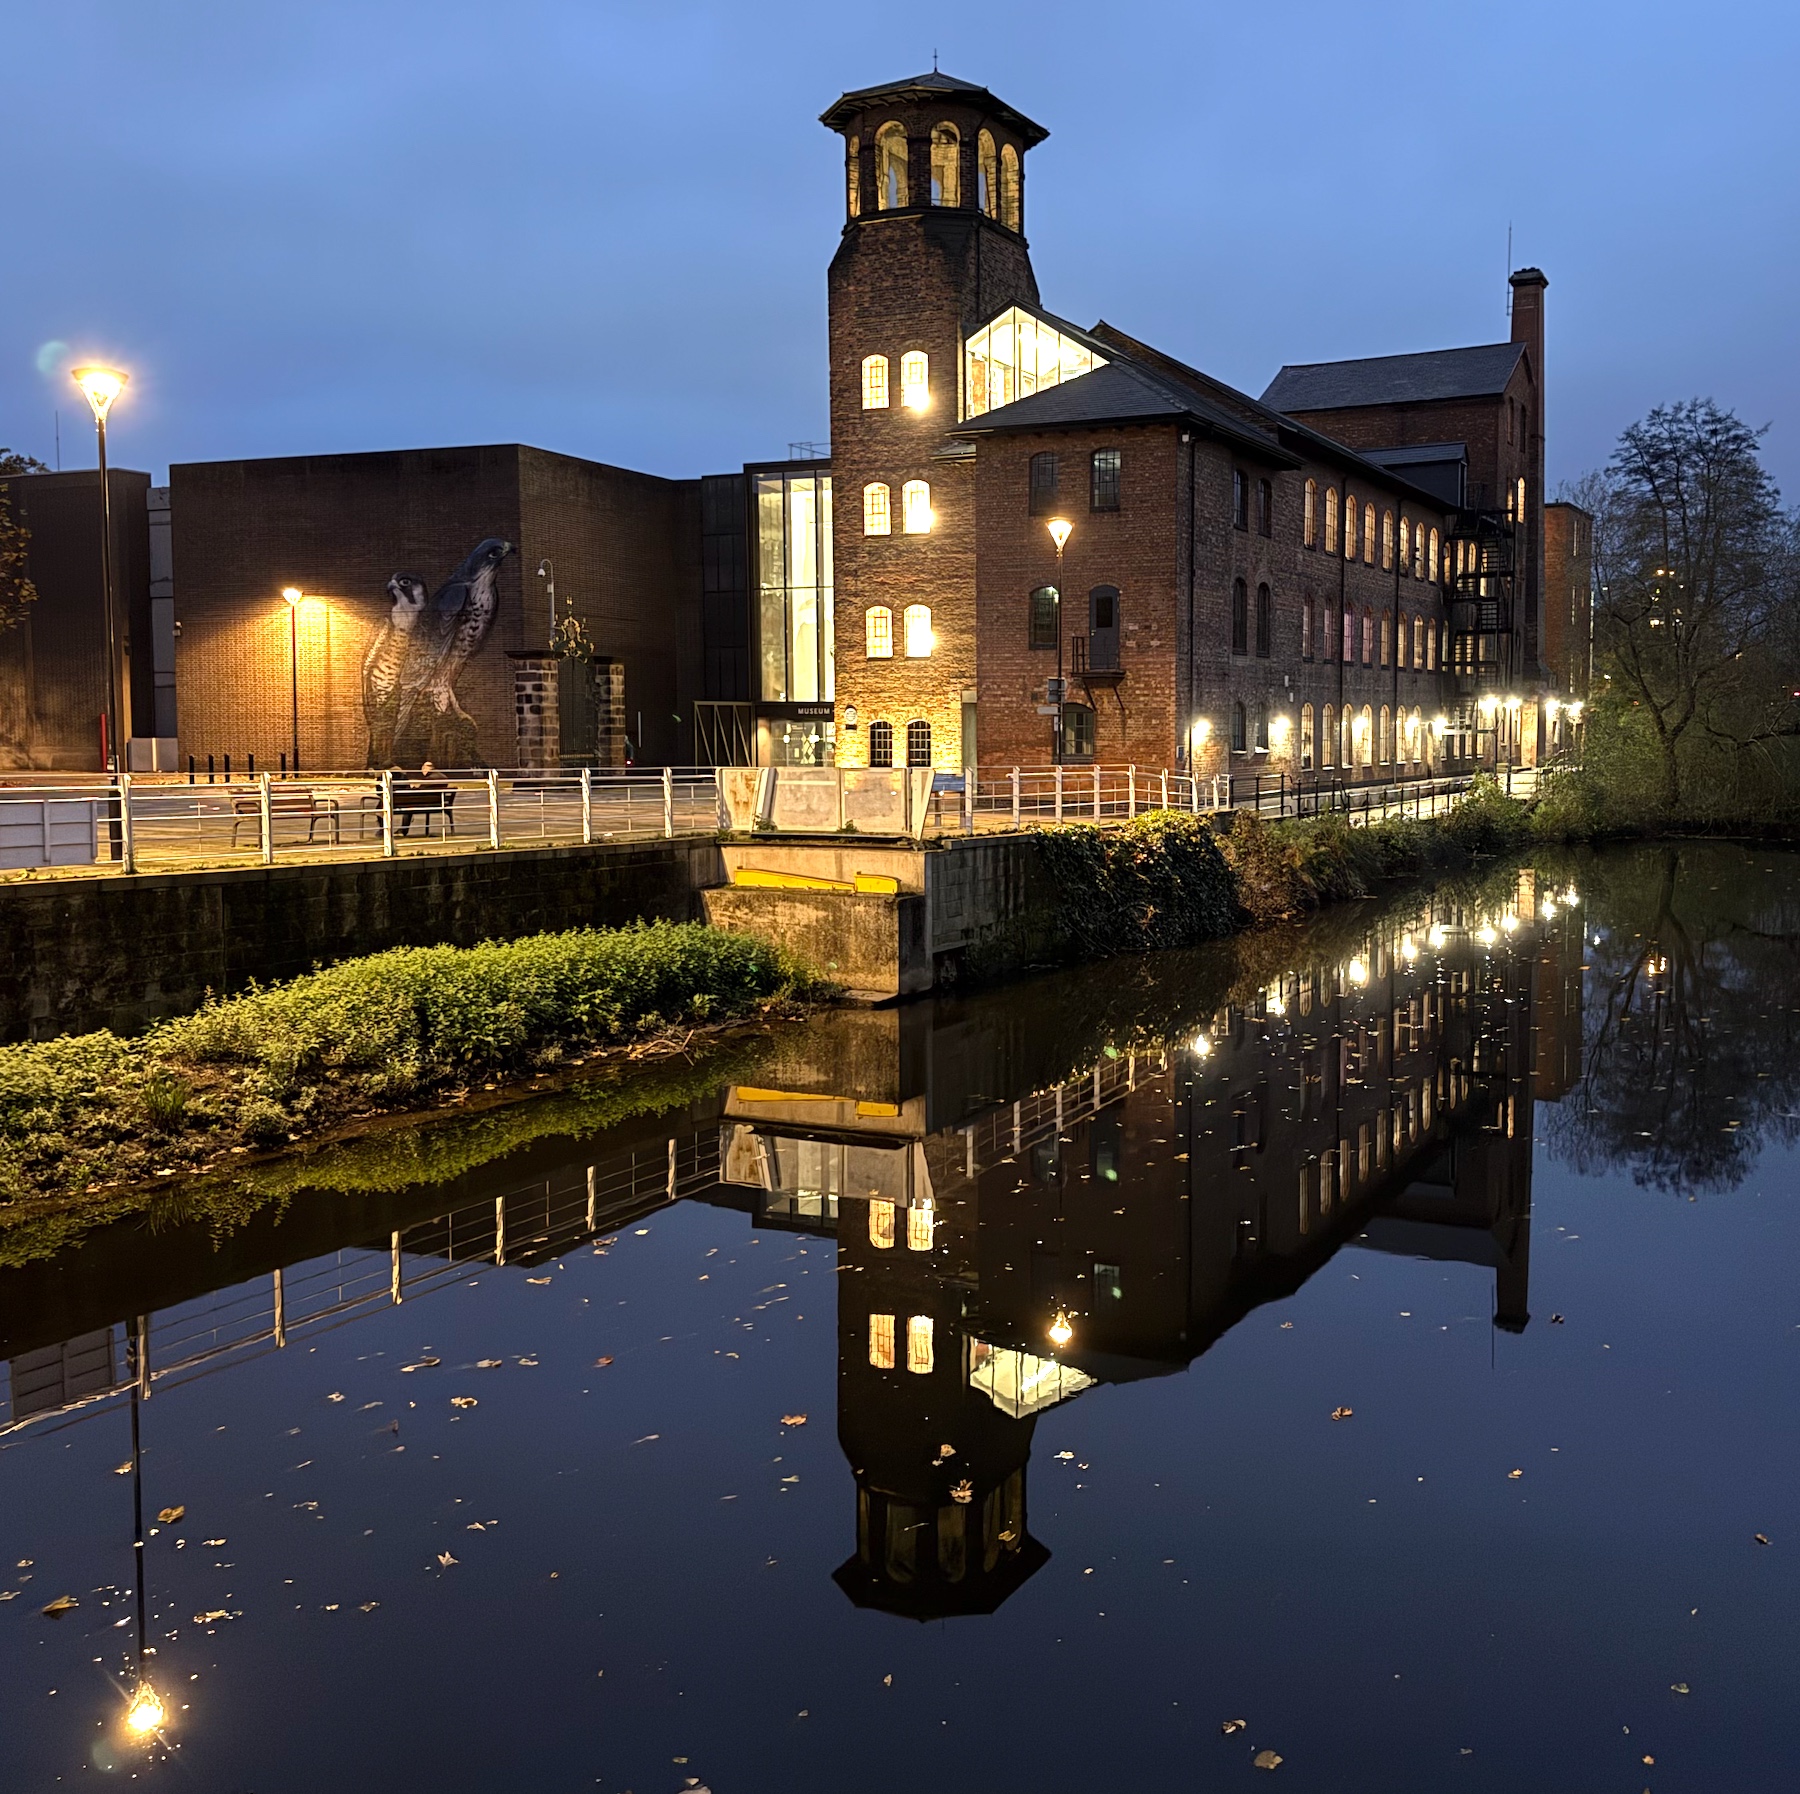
(61, 1605)
(1342, 1413)
(530, 1363)
(887, 1681)
(212, 1616)
(1287, 1326)
(334, 1396)
(462, 1401)
(646, 1439)
(122, 1469)
(793, 1420)
(1512, 1476)
(602, 1363)
(214, 1542)
(1649, 1759)
(423, 1364)
(9, 1594)
(446, 1559)
(963, 1493)
(489, 1363)
(1556, 1320)
(170, 1515)
(1233, 1725)
(1679, 1688)
(1266, 1759)
(1761, 1539)
(537, 1279)
(370, 1606)
(1065, 1454)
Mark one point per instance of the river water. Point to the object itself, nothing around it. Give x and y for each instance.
(1373, 1346)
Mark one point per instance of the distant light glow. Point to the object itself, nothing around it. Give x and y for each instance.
(1486, 935)
(1359, 971)
(1202, 1045)
(1060, 1330)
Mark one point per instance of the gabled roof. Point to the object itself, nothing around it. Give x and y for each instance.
(934, 86)
(1474, 373)
(1418, 454)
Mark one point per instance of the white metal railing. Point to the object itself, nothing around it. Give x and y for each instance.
(161, 822)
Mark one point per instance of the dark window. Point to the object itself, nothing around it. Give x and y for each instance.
(1043, 484)
(1078, 732)
(1262, 730)
(1043, 617)
(1306, 629)
(1103, 480)
(1265, 508)
(1264, 621)
(1240, 617)
(918, 744)
(881, 744)
(1240, 500)
(1239, 737)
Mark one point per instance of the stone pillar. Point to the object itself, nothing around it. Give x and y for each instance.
(537, 678)
(609, 711)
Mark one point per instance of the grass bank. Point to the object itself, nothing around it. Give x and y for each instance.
(96, 1111)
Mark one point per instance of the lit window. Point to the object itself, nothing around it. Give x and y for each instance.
(1415, 733)
(1405, 538)
(987, 174)
(1433, 574)
(946, 166)
(915, 508)
(916, 622)
(1368, 638)
(875, 385)
(1418, 564)
(1010, 210)
(877, 520)
(1262, 730)
(1331, 520)
(1368, 535)
(1017, 354)
(918, 1345)
(1387, 541)
(1387, 736)
(1349, 653)
(921, 1225)
(1365, 725)
(881, 1341)
(1306, 738)
(1384, 638)
(1521, 501)
(890, 167)
(881, 744)
(918, 744)
(881, 1224)
(915, 380)
(878, 625)
(1345, 733)
(1042, 623)
(1328, 736)
(1309, 516)
(853, 176)
(1349, 526)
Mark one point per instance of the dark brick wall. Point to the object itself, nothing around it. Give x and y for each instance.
(120, 952)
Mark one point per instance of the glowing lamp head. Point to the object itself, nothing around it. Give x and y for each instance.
(1486, 935)
(1201, 731)
(1202, 1046)
(145, 1713)
(292, 594)
(1060, 530)
(1440, 726)
(99, 386)
(1512, 703)
(1359, 971)
(1060, 1330)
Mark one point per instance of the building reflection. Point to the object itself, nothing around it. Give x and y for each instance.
(1081, 1180)
(1380, 1099)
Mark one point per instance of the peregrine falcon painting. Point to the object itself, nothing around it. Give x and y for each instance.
(410, 672)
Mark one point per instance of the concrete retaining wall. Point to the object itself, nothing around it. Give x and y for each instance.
(119, 952)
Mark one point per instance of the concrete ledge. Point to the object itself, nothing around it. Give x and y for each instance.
(876, 947)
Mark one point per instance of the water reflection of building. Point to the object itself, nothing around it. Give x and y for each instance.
(1140, 1206)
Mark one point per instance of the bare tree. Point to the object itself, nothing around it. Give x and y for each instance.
(16, 589)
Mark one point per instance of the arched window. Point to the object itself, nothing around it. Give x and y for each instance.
(1520, 510)
(1309, 516)
(877, 521)
(1262, 728)
(1043, 619)
(1265, 508)
(890, 167)
(1349, 526)
(918, 744)
(915, 379)
(875, 385)
(1042, 483)
(1368, 637)
(853, 176)
(881, 744)
(878, 632)
(1415, 734)
(946, 166)
(1346, 738)
(915, 508)
(1331, 520)
(1433, 574)
(1306, 629)
(1385, 742)
(1240, 730)
(919, 639)
(1385, 632)
(1265, 622)
(1328, 737)
(1368, 535)
(1387, 541)
(1010, 213)
(987, 174)
(1366, 728)
(1418, 643)
(1349, 655)
(1431, 648)
(1418, 551)
(1306, 738)
(1240, 617)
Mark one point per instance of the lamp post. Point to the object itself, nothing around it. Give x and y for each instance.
(100, 386)
(1059, 528)
(293, 595)
(546, 571)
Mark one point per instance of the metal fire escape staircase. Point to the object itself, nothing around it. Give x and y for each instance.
(1483, 590)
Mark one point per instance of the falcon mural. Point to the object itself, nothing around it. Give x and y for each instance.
(409, 675)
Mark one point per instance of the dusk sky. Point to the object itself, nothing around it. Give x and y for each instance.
(603, 228)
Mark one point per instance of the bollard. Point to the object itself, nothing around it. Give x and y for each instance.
(1165, 788)
(1131, 790)
(668, 783)
(127, 853)
(587, 806)
(1059, 793)
(1096, 793)
(266, 816)
(493, 788)
(387, 815)
(1015, 796)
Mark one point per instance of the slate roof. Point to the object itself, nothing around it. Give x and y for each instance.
(1478, 372)
(934, 86)
(1418, 454)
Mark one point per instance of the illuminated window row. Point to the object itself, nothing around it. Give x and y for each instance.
(1361, 738)
(915, 381)
(921, 1225)
(997, 187)
(918, 745)
(917, 636)
(915, 509)
(883, 1334)
(1352, 524)
(1417, 633)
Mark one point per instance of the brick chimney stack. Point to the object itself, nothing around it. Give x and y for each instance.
(1528, 286)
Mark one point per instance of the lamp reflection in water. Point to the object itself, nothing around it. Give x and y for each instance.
(1060, 1330)
(146, 1712)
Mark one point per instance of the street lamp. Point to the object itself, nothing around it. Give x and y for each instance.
(1060, 528)
(100, 386)
(293, 595)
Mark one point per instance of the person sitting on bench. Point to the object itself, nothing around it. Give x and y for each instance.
(425, 797)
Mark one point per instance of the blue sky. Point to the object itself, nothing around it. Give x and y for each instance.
(602, 226)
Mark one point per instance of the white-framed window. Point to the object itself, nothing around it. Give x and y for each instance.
(920, 1356)
(878, 628)
(875, 383)
(915, 508)
(915, 379)
(877, 518)
(916, 622)
(881, 1341)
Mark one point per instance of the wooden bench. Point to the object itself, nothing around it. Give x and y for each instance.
(286, 800)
